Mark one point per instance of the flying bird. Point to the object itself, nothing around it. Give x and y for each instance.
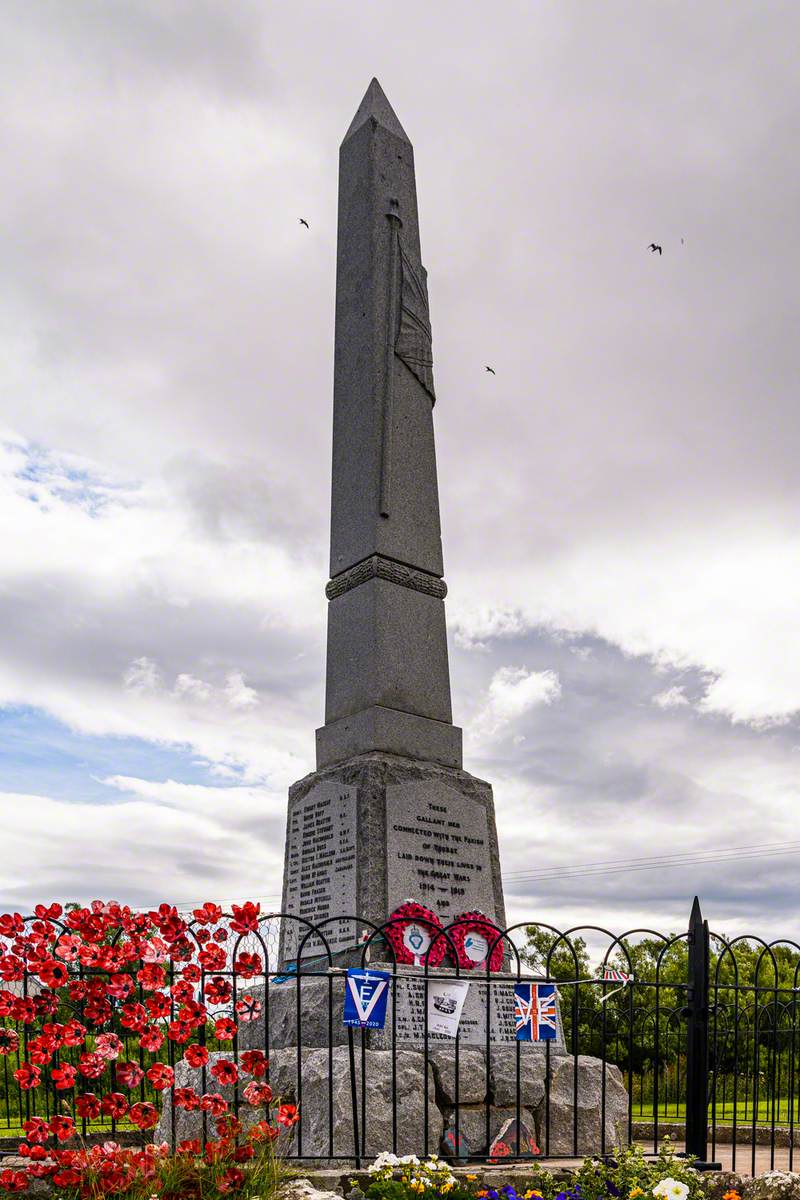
(303, 221)
(653, 247)
(491, 370)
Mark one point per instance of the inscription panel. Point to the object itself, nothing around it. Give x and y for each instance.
(410, 998)
(437, 850)
(321, 867)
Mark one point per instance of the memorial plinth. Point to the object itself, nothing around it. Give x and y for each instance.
(365, 835)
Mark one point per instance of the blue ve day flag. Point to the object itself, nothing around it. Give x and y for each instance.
(365, 997)
(535, 1013)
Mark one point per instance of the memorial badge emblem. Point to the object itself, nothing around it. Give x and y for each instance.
(416, 939)
(477, 940)
(412, 933)
(365, 998)
(476, 947)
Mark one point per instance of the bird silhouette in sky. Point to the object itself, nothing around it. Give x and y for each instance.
(491, 370)
(303, 221)
(653, 247)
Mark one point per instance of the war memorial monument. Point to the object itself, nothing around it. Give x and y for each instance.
(389, 814)
(390, 817)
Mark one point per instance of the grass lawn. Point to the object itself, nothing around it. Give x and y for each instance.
(724, 1113)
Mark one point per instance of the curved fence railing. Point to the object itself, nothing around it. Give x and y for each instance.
(610, 1065)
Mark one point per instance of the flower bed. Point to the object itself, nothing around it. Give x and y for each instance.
(628, 1176)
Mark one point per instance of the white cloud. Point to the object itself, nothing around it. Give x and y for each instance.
(161, 840)
(143, 675)
(672, 697)
(719, 596)
(165, 380)
(237, 693)
(473, 629)
(512, 692)
(138, 622)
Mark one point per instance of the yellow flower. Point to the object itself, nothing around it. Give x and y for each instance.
(531, 1193)
(471, 1178)
(731, 1195)
(634, 1192)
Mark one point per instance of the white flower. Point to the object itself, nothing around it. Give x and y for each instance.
(384, 1160)
(671, 1189)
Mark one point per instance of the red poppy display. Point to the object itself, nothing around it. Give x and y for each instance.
(254, 1062)
(144, 1115)
(88, 1106)
(160, 1075)
(257, 1093)
(225, 1072)
(196, 1056)
(134, 979)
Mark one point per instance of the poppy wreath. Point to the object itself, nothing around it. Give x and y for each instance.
(476, 924)
(412, 913)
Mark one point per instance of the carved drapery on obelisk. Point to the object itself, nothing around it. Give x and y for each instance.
(388, 683)
(409, 337)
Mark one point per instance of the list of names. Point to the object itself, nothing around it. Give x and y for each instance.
(321, 869)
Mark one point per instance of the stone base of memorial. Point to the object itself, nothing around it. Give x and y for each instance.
(421, 1097)
(364, 835)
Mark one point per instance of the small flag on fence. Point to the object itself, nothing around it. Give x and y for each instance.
(535, 1012)
(365, 998)
(612, 975)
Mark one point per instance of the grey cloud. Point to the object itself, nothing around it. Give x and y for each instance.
(605, 774)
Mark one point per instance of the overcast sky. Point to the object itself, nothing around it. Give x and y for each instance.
(620, 503)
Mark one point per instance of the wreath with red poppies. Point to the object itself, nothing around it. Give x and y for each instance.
(411, 913)
(475, 923)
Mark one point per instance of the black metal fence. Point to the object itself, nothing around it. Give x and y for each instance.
(701, 1039)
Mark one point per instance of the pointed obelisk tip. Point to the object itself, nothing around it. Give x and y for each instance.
(375, 106)
(696, 916)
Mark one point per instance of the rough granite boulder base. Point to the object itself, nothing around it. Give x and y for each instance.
(321, 1002)
(472, 1124)
(303, 1189)
(377, 1134)
(471, 1074)
(773, 1185)
(589, 1128)
(532, 1071)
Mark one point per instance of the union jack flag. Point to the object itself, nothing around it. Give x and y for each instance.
(612, 975)
(535, 1012)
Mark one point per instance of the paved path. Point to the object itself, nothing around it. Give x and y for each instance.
(765, 1160)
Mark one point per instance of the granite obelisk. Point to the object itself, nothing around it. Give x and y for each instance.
(389, 814)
